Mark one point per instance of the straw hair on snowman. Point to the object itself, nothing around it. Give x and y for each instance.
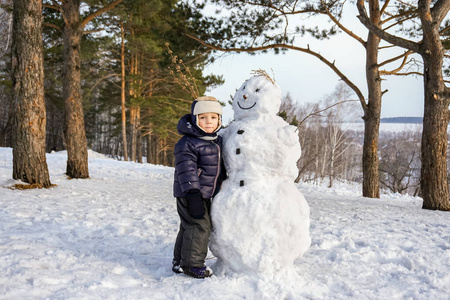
(206, 104)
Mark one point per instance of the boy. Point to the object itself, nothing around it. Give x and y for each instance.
(198, 174)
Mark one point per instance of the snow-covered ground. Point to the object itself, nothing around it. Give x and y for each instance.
(111, 237)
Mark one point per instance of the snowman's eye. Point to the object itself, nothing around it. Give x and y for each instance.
(257, 90)
(243, 87)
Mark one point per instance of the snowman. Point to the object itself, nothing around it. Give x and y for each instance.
(260, 218)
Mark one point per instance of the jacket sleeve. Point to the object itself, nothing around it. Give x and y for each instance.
(223, 172)
(222, 176)
(186, 166)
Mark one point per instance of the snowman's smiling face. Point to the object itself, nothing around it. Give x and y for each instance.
(240, 106)
(257, 96)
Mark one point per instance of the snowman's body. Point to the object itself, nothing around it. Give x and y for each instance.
(260, 219)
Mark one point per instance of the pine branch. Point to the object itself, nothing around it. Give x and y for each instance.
(341, 26)
(401, 42)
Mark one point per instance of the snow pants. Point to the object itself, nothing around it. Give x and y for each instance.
(191, 245)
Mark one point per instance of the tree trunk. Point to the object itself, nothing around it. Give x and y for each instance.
(133, 94)
(135, 122)
(318, 151)
(331, 175)
(139, 148)
(139, 137)
(29, 119)
(74, 130)
(157, 151)
(371, 179)
(148, 152)
(122, 96)
(164, 152)
(433, 178)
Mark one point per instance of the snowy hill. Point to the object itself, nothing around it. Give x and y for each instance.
(111, 237)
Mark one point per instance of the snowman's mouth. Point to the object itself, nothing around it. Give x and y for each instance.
(246, 107)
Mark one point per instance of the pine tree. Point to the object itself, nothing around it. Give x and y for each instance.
(155, 99)
(74, 130)
(434, 183)
(29, 161)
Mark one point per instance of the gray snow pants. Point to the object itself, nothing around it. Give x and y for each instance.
(191, 246)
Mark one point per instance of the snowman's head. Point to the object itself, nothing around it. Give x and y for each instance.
(258, 96)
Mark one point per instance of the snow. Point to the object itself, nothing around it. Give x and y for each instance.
(111, 237)
(259, 200)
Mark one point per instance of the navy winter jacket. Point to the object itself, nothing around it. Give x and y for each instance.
(198, 160)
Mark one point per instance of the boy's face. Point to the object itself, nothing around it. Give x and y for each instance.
(208, 122)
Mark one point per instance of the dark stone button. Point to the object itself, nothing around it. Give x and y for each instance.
(240, 131)
(241, 183)
(238, 151)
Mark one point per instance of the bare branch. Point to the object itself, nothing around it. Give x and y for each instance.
(385, 5)
(52, 26)
(103, 78)
(187, 83)
(396, 71)
(285, 46)
(400, 74)
(99, 12)
(386, 47)
(399, 16)
(317, 113)
(93, 31)
(55, 7)
(404, 56)
(410, 17)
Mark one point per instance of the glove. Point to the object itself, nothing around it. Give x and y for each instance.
(195, 204)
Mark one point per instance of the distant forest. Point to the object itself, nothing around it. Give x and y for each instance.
(405, 120)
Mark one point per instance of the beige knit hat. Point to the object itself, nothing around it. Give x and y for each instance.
(206, 104)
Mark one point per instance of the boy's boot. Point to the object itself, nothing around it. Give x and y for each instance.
(176, 268)
(201, 272)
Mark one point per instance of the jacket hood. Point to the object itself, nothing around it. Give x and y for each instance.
(187, 126)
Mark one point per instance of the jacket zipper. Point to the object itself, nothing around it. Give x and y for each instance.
(218, 171)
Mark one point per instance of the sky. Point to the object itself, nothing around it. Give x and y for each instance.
(111, 237)
(307, 79)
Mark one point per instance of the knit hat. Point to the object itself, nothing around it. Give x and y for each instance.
(206, 104)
